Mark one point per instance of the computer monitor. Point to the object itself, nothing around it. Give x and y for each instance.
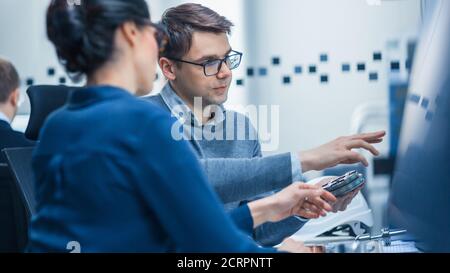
(420, 194)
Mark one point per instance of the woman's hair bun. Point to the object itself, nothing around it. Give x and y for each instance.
(83, 31)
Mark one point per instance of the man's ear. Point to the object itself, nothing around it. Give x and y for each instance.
(14, 97)
(167, 68)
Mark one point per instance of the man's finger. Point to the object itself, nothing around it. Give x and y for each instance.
(346, 202)
(311, 207)
(309, 192)
(308, 214)
(305, 186)
(374, 141)
(354, 157)
(356, 144)
(328, 196)
(319, 202)
(317, 249)
(348, 162)
(369, 136)
(319, 210)
(339, 204)
(355, 192)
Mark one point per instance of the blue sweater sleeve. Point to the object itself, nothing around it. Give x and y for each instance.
(243, 219)
(180, 196)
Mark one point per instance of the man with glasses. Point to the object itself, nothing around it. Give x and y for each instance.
(197, 62)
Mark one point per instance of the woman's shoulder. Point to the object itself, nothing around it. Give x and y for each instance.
(151, 119)
(150, 111)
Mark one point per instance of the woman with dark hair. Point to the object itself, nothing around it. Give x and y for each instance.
(109, 176)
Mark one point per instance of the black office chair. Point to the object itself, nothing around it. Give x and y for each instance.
(21, 191)
(44, 100)
(19, 161)
(12, 219)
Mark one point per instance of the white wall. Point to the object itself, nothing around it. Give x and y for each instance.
(22, 31)
(298, 31)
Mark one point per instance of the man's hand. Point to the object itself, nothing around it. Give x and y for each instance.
(339, 151)
(289, 245)
(299, 199)
(342, 202)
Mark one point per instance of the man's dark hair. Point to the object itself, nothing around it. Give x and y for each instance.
(9, 80)
(182, 21)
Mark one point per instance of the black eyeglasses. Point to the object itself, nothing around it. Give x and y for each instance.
(213, 67)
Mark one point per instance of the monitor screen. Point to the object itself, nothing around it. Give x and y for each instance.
(420, 194)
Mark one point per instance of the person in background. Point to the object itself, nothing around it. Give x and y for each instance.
(9, 138)
(9, 104)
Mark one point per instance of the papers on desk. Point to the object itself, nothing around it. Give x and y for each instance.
(400, 247)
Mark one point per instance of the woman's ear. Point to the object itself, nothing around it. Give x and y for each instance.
(129, 32)
(167, 68)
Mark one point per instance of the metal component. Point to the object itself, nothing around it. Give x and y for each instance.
(385, 236)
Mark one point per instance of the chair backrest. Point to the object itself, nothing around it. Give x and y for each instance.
(44, 99)
(4, 171)
(13, 216)
(7, 226)
(19, 162)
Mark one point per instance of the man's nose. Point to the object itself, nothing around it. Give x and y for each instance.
(224, 71)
